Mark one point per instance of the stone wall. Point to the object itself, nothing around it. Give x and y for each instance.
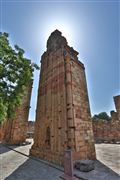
(108, 131)
(30, 129)
(63, 117)
(14, 131)
(1, 132)
(31, 126)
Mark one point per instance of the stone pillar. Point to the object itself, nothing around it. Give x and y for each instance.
(68, 166)
(62, 105)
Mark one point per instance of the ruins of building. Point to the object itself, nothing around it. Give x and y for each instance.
(63, 119)
(30, 129)
(108, 131)
(14, 131)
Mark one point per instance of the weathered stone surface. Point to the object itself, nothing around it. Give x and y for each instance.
(85, 165)
(56, 41)
(14, 131)
(108, 131)
(63, 114)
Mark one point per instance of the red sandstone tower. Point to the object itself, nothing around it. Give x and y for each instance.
(63, 117)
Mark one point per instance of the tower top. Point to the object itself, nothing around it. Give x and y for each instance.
(56, 41)
(56, 33)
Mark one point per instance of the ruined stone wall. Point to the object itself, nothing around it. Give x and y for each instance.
(30, 129)
(31, 126)
(63, 113)
(117, 106)
(108, 131)
(14, 131)
(1, 132)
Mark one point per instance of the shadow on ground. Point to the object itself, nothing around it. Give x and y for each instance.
(8, 147)
(33, 170)
(3, 148)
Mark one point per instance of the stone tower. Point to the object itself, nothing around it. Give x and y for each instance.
(63, 117)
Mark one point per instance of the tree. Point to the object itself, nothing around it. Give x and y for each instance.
(102, 115)
(16, 73)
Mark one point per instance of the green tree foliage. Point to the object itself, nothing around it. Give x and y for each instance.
(102, 115)
(16, 73)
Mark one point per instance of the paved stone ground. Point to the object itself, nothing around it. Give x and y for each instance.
(109, 154)
(16, 166)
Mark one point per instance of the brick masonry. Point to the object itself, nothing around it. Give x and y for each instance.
(14, 131)
(63, 117)
(108, 130)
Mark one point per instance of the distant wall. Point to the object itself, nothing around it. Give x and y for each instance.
(30, 129)
(1, 134)
(108, 130)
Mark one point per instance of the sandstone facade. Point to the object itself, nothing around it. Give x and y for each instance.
(108, 130)
(14, 131)
(63, 117)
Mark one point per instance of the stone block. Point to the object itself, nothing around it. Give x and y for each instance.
(85, 165)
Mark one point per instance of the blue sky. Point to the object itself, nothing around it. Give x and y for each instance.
(91, 27)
